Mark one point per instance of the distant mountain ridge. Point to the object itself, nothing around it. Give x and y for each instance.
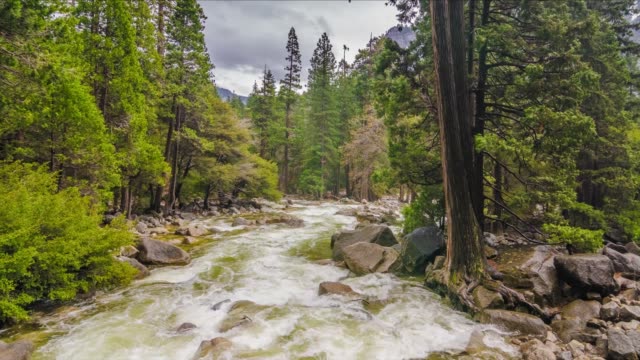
(227, 95)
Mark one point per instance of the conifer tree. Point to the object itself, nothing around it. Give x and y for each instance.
(290, 84)
(321, 153)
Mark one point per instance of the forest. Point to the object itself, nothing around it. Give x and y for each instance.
(515, 119)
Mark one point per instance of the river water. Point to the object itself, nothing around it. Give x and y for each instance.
(269, 265)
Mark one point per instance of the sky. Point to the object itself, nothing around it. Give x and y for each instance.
(243, 36)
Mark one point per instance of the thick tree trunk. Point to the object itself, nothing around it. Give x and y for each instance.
(465, 258)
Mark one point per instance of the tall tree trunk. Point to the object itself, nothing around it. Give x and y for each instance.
(497, 196)
(175, 158)
(207, 194)
(479, 120)
(160, 35)
(465, 258)
(347, 182)
(287, 124)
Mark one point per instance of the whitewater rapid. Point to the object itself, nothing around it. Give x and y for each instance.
(270, 265)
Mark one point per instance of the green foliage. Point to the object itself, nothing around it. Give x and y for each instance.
(582, 239)
(426, 210)
(52, 244)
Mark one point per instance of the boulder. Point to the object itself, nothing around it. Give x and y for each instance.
(18, 350)
(490, 253)
(587, 272)
(240, 313)
(623, 345)
(129, 251)
(629, 312)
(628, 264)
(582, 310)
(491, 240)
(240, 221)
(156, 252)
(189, 240)
(142, 270)
(335, 288)
(376, 234)
(192, 231)
(610, 311)
(141, 228)
(158, 230)
(633, 248)
(347, 212)
(541, 270)
(294, 222)
(617, 247)
(536, 350)
(365, 258)
(487, 299)
(185, 327)
(420, 247)
(525, 324)
(212, 349)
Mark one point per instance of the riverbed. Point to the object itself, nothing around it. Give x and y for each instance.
(271, 265)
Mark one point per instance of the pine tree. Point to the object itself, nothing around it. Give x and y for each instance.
(321, 153)
(290, 84)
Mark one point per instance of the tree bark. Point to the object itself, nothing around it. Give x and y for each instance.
(465, 258)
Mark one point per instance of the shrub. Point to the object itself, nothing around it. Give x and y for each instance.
(581, 239)
(427, 209)
(52, 246)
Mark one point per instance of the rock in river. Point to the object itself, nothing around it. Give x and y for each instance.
(142, 270)
(337, 288)
(156, 252)
(420, 247)
(365, 258)
(18, 350)
(377, 234)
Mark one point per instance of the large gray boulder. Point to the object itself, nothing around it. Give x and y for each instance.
(587, 272)
(628, 264)
(540, 269)
(192, 230)
(142, 270)
(623, 345)
(366, 258)
(376, 234)
(154, 252)
(573, 322)
(633, 248)
(524, 324)
(420, 247)
(18, 350)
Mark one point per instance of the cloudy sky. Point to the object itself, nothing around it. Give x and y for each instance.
(242, 36)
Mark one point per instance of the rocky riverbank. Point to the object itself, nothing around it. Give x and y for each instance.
(587, 305)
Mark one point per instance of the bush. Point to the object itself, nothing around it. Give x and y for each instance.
(581, 239)
(52, 246)
(427, 209)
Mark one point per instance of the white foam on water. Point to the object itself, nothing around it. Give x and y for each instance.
(139, 322)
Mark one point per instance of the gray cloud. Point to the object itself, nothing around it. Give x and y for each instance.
(244, 36)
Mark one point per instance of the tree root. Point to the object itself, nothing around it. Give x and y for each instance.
(462, 298)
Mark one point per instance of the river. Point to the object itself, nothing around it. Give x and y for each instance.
(269, 265)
